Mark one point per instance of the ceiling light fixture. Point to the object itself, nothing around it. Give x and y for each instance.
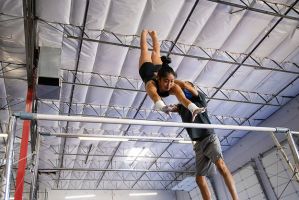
(80, 196)
(185, 141)
(143, 194)
(137, 151)
(111, 137)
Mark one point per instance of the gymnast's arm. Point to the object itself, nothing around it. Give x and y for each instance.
(151, 90)
(186, 85)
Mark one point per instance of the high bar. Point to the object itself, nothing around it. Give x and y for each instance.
(35, 116)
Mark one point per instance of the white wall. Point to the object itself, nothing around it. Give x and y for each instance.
(110, 195)
(247, 183)
(182, 195)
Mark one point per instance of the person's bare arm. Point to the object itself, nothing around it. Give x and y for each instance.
(186, 85)
(151, 90)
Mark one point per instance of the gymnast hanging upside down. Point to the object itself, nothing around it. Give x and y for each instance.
(159, 77)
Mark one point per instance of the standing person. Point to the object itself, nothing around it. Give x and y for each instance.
(159, 77)
(206, 146)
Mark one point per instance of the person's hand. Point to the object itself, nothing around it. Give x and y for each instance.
(173, 108)
(169, 108)
(198, 111)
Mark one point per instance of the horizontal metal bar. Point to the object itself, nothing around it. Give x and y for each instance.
(113, 170)
(124, 156)
(82, 179)
(73, 135)
(34, 116)
(118, 189)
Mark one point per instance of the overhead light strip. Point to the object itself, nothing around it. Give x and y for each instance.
(143, 194)
(80, 196)
(111, 137)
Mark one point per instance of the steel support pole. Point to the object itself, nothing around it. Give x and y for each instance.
(284, 155)
(5, 189)
(33, 189)
(295, 153)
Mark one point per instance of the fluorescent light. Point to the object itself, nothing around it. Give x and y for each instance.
(185, 141)
(136, 151)
(143, 194)
(80, 196)
(3, 135)
(103, 139)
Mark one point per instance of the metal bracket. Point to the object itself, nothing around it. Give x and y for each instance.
(281, 130)
(25, 115)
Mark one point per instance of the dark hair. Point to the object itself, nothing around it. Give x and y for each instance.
(165, 60)
(165, 70)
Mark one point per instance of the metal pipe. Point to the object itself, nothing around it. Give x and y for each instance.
(113, 180)
(126, 156)
(294, 151)
(9, 159)
(33, 189)
(113, 189)
(284, 155)
(24, 148)
(73, 135)
(113, 170)
(34, 116)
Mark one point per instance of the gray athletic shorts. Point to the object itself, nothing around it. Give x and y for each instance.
(207, 152)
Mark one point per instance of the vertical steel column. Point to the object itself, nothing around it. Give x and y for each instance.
(9, 159)
(294, 151)
(24, 149)
(34, 182)
(284, 155)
